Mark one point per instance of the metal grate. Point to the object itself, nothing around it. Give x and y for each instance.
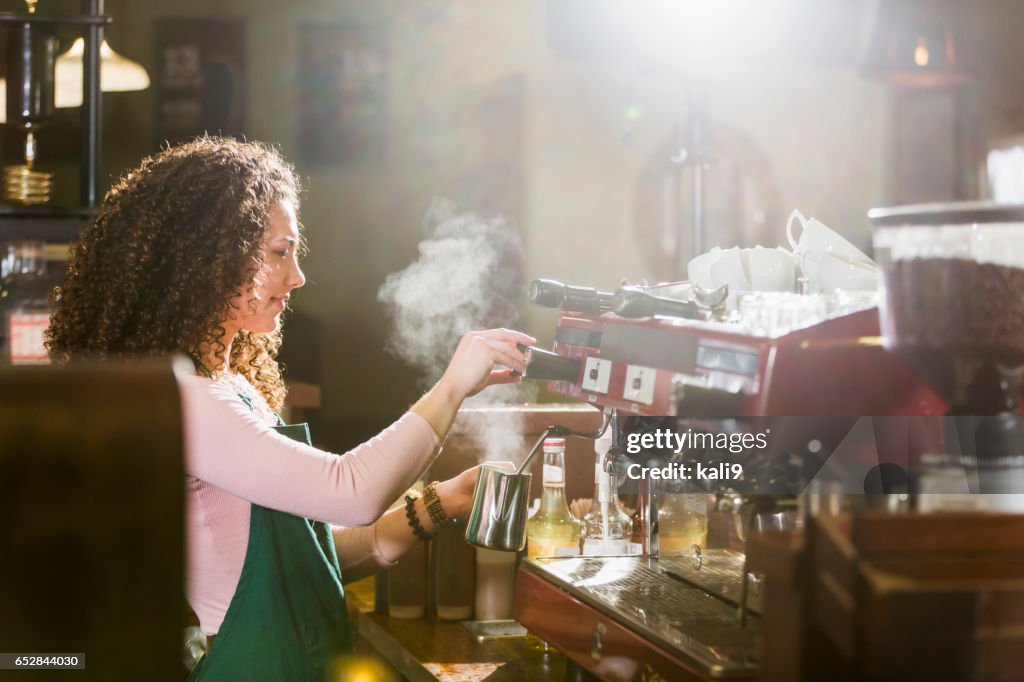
(684, 619)
(719, 572)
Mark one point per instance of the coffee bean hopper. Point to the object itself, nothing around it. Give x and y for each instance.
(953, 306)
(954, 299)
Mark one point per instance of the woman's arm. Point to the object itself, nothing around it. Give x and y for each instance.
(364, 551)
(228, 447)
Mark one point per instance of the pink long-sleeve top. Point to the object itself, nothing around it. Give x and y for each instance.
(234, 459)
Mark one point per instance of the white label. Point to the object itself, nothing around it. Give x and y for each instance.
(1003, 503)
(602, 547)
(596, 374)
(639, 386)
(696, 503)
(27, 337)
(553, 474)
(948, 502)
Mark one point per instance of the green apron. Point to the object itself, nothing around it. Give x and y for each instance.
(287, 619)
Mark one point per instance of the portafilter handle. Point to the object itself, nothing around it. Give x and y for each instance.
(547, 366)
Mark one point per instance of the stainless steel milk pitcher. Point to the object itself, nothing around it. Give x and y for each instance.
(501, 500)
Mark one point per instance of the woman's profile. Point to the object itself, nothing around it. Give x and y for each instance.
(196, 252)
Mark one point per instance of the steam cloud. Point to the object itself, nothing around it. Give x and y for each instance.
(467, 277)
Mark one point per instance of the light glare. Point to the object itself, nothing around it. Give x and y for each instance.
(921, 53)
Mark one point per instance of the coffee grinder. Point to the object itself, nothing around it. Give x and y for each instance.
(953, 306)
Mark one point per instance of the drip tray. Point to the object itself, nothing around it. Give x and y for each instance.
(691, 622)
(719, 572)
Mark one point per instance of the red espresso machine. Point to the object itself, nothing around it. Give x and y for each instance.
(695, 356)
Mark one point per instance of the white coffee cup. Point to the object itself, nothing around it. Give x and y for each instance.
(829, 271)
(759, 269)
(816, 236)
(769, 269)
(728, 269)
(698, 270)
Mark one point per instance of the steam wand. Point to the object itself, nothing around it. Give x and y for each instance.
(536, 447)
(556, 430)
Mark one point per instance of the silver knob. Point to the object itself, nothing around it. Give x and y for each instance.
(597, 642)
(696, 557)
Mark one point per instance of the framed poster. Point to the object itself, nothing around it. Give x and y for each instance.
(342, 117)
(200, 78)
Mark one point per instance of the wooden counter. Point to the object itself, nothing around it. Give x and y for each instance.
(429, 650)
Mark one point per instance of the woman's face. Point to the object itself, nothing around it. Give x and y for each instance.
(260, 309)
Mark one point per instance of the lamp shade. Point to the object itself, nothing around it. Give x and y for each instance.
(915, 44)
(117, 74)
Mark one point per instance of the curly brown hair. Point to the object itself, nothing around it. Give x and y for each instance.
(174, 241)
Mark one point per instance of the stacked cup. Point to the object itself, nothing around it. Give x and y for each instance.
(828, 260)
(756, 269)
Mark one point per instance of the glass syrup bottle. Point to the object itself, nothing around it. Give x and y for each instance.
(682, 522)
(553, 531)
(24, 304)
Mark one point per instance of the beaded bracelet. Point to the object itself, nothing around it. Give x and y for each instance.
(432, 503)
(414, 520)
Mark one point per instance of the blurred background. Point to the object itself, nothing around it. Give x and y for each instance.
(583, 123)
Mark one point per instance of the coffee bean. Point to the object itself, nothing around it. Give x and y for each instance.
(962, 323)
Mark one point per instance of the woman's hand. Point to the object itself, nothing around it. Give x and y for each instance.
(456, 494)
(392, 533)
(472, 366)
(470, 370)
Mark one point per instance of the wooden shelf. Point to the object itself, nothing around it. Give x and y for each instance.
(77, 19)
(62, 226)
(34, 212)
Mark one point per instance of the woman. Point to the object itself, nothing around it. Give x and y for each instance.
(196, 252)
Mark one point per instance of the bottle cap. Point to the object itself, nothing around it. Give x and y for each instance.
(554, 445)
